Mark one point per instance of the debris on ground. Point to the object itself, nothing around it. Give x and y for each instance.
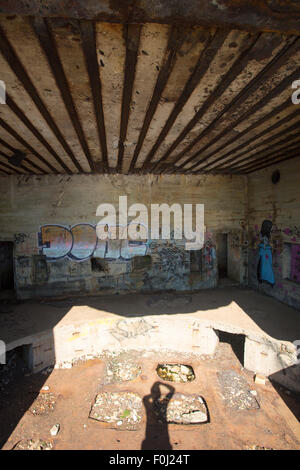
(63, 365)
(55, 430)
(122, 368)
(256, 447)
(33, 444)
(236, 391)
(124, 410)
(260, 379)
(43, 404)
(181, 409)
(178, 373)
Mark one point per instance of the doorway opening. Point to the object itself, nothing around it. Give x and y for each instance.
(6, 270)
(222, 255)
(236, 342)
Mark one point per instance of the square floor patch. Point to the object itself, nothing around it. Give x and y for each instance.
(236, 391)
(123, 410)
(182, 409)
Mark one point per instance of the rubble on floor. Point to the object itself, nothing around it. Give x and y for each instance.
(181, 409)
(122, 368)
(123, 410)
(260, 379)
(55, 429)
(43, 404)
(33, 444)
(236, 391)
(178, 373)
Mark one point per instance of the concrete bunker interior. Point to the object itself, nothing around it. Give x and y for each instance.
(164, 106)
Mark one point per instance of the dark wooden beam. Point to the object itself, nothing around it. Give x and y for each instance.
(283, 85)
(267, 156)
(88, 36)
(270, 140)
(9, 147)
(43, 31)
(175, 41)
(9, 166)
(288, 51)
(20, 139)
(19, 113)
(282, 107)
(230, 76)
(3, 172)
(19, 70)
(255, 15)
(210, 50)
(132, 35)
(266, 165)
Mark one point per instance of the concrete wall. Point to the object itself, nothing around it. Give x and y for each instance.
(29, 203)
(280, 204)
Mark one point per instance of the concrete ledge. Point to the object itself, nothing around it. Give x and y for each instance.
(81, 340)
(64, 331)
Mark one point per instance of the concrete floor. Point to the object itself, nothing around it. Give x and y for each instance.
(244, 309)
(272, 426)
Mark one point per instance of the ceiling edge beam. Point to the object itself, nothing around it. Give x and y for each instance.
(132, 34)
(282, 16)
(43, 31)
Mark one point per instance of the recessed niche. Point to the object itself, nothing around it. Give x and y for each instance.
(275, 177)
(179, 373)
(98, 265)
(291, 262)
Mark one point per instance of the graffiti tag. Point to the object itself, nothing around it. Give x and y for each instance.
(80, 242)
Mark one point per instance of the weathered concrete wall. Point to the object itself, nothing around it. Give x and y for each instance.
(30, 203)
(280, 204)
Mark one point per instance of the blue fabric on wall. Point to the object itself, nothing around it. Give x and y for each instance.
(265, 271)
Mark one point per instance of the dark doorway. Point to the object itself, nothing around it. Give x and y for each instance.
(222, 252)
(6, 268)
(237, 343)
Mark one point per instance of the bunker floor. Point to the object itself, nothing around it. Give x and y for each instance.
(242, 308)
(241, 414)
(244, 415)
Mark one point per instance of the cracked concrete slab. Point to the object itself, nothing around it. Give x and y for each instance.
(122, 410)
(236, 392)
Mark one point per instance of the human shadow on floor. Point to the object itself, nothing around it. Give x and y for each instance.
(157, 434)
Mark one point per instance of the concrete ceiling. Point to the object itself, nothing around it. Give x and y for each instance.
(96, 96)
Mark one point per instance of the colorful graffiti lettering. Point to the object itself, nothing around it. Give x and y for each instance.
(80, 242)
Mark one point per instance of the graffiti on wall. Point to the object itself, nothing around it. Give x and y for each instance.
(126, 329)
(295, 263)
(209, 254)
(293, 232)
(80, 242)
(20, 238)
